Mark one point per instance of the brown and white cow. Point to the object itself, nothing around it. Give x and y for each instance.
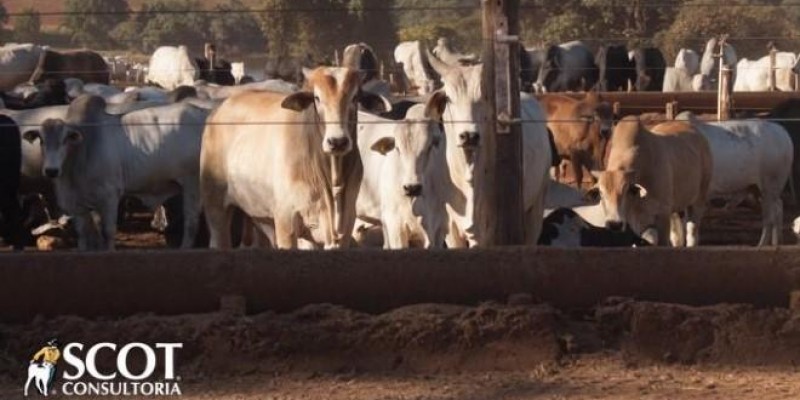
(651, 175)
(290, 162)
(580, 129)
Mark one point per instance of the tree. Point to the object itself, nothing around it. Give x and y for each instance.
(90, 21)
(315, 28)
(167, 22)
(458, 20)
(236, 29)
(751, 25)
(27, 26)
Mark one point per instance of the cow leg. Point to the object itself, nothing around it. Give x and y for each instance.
(191, 214)
(777, 228)
(108, 224)
(578, 163)
(84, 226)
(12, 215)
(218, 220)
(394, 236)
(284, 231)
(693, 217)
(676, 232)
(770, 225)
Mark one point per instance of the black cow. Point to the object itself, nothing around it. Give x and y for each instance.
(219, 74)
(650, 69)
(565, 228)
(10, 164)
(567, 67)
(615, 68)
(51, 92)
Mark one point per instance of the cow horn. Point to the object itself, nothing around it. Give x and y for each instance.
(438, 65)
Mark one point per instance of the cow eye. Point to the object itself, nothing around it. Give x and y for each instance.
(316, 98)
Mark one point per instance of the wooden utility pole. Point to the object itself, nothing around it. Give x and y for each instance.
(501, 90)
(725, 84)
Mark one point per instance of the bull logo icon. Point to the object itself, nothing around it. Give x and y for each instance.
(42, 373)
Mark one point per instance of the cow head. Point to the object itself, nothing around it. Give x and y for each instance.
(416, 142)
(335, 95)
(620, 197)
(60, 138)
(464, 111)
(57, 140)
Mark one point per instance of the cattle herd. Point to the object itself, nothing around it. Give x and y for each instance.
(340, 158)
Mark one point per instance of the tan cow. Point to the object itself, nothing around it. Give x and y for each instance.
(287, 160)
(580, 128)
(651, 175)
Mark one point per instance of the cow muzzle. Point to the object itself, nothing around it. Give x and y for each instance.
(469, 139)
(414, 190)
(615, 226)
(52, 172)
(337, 145)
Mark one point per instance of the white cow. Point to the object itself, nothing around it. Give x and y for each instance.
(416, 67)
(753, 76)
(18, 63)
(217, 92)
(748, 155)
(680, 77)
(709, 65)
(404, 179)
(689, 60)
(238, 71)
(171, 67)
(95, 158)
(30, 119)
(470, 160)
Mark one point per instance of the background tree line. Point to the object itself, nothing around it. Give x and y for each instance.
(315, 28)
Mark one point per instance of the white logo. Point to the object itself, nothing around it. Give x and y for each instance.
(39, 374)
(82, 377)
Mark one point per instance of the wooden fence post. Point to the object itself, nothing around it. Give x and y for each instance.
(501, 89)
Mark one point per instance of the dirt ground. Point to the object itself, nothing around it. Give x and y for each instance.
(620, 349)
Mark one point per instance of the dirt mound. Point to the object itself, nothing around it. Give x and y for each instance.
(721, 334)
(320, 339)
(317, 338)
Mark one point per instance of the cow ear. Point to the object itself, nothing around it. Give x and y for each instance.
(298, 101)
(434, 109)
(374, 103)
(307, 72)
(638, 190)
(596, 174)
(592, 196)
(383, 145)
(31, 136)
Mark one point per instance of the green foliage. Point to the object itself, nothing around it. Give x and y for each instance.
(27, 26)
(317, 28)
(235, 29)
(457, 20)
(90, 21)
(739, 19)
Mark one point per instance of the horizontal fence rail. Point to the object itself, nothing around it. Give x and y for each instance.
(162, 282)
